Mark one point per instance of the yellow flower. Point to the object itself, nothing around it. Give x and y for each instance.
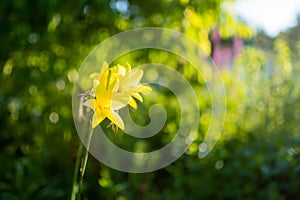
(114, 88)
(129, 86)
(104, 87)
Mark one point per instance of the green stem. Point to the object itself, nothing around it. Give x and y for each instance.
(85, 159)
(75, 175)
(80, 164)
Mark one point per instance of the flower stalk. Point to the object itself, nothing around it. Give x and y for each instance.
(112, 89)
(81, 163)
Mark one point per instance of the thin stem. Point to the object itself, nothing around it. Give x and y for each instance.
(85, 159)
(81, 162)
(75, 175)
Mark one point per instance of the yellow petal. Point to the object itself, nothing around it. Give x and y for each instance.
(135, 77)
(116, 119)
(124, 80)
(90, 103)
(104, 95)
(128, 90)
(137, 96)
(117, 105)
(104, 77)
(103, 68)
(121, 97)
(121, 70)
(132, 103)
(98, 117)
(118, 71)
(128, 68)
(117, 86)
(112, 87)
(143, 88)
(96, 120)
(131, 78)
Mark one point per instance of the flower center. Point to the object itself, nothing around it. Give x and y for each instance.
(104, 107)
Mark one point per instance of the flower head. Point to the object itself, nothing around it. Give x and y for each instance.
(114, 88)
(129, 86)
(102, 104)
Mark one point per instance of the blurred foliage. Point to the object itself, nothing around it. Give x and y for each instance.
(43, 44)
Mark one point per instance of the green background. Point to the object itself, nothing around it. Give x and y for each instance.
(43, 43)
